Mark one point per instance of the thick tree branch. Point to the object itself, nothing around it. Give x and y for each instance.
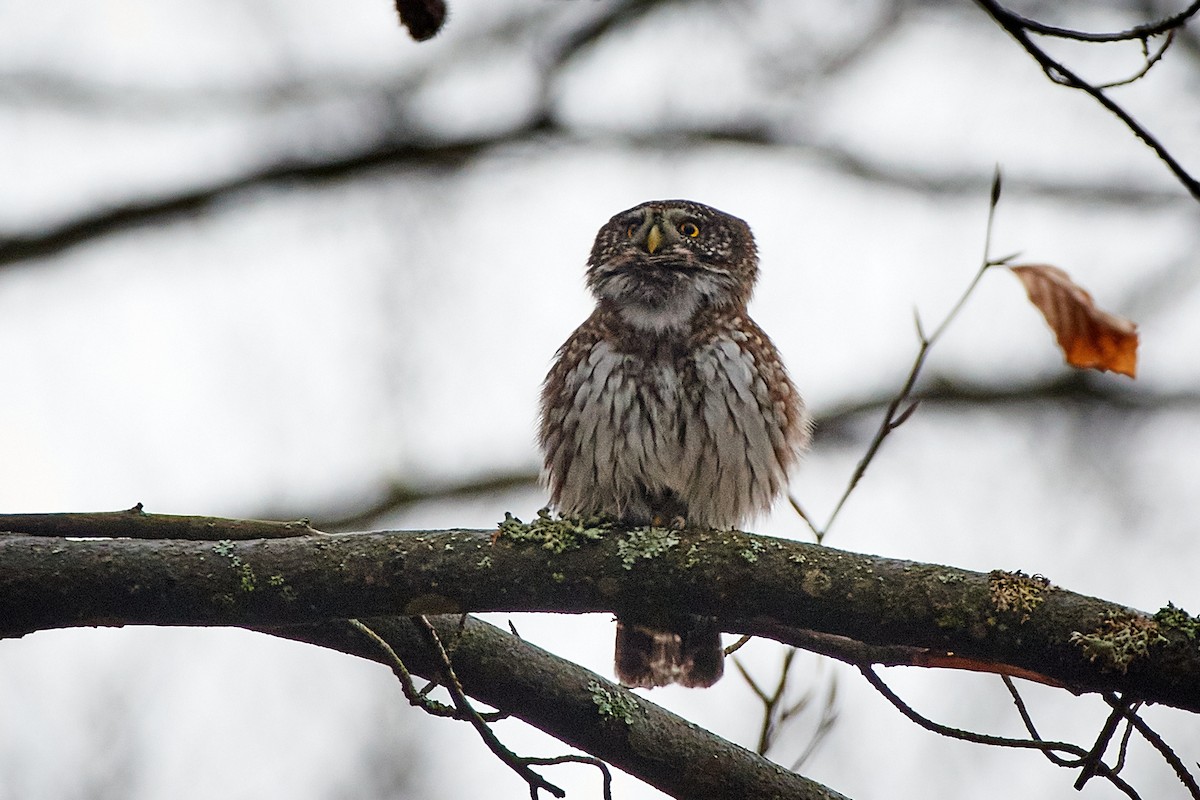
(750, 583)
(575, 706)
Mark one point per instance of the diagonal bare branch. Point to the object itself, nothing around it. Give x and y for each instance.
(1142, 32)
(1080, 753)
(575, 706)
(1019, 29)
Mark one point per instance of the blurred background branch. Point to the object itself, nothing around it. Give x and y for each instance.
(845, 425)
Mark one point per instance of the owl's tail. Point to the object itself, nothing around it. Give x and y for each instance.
(690, 655)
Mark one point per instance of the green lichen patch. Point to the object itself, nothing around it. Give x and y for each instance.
(1174, 618)
(285, 589)
(615, 706)
(554, 533)
(751, 550)
(1119, 641)
(1017, 593)
(645, 543)
(246, 578)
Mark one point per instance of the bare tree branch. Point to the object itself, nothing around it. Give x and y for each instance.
(1142, 32)
(449, 679)
(17, 248)
(1027, 720)
(154, 211)
(1019, 29)
(397, 496)
(997, 741)
(1156, 741)
(134, 523)
(1071, 390)
(575, 706)
(894, 416)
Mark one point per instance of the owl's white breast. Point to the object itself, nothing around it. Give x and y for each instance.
(703, 428)
(625, 416)
(671, 316)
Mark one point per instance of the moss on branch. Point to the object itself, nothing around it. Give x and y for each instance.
(750, 583)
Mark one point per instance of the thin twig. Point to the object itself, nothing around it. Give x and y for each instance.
(776, 715)
(738, 645)
(800, 510)
(1166, 25)
(957, 733)
(894, 416)
(1123, 749)
(419, 698)
(772, 716)
(1054, 758)
(462, 708)
(1156, 741)
(1019, 28)
(605, 773)
(829, 716)
(1094, 758)
(414, 697)
(135, 523)
(982, 738)
(753, 684)
(1151, 60)
(515, 762)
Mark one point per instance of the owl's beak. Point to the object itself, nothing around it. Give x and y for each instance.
(653, 238)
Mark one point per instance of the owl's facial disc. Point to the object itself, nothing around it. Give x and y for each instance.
(664, 229)
(661, 262)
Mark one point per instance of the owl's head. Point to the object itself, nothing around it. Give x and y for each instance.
(660, 262)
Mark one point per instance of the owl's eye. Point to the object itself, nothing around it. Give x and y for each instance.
(631, 230)
(689, 229)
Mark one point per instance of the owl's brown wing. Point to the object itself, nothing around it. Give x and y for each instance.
(558, 425)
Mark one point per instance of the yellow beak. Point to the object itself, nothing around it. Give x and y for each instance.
(653, 238)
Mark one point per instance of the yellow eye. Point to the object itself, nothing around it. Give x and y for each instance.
(689, 229)
(631, 230)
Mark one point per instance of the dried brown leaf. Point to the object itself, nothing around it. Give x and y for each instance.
(1090, 338)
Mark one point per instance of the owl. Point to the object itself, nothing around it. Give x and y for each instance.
(669, 406)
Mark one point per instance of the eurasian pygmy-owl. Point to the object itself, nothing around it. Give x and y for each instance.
(669, 404)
